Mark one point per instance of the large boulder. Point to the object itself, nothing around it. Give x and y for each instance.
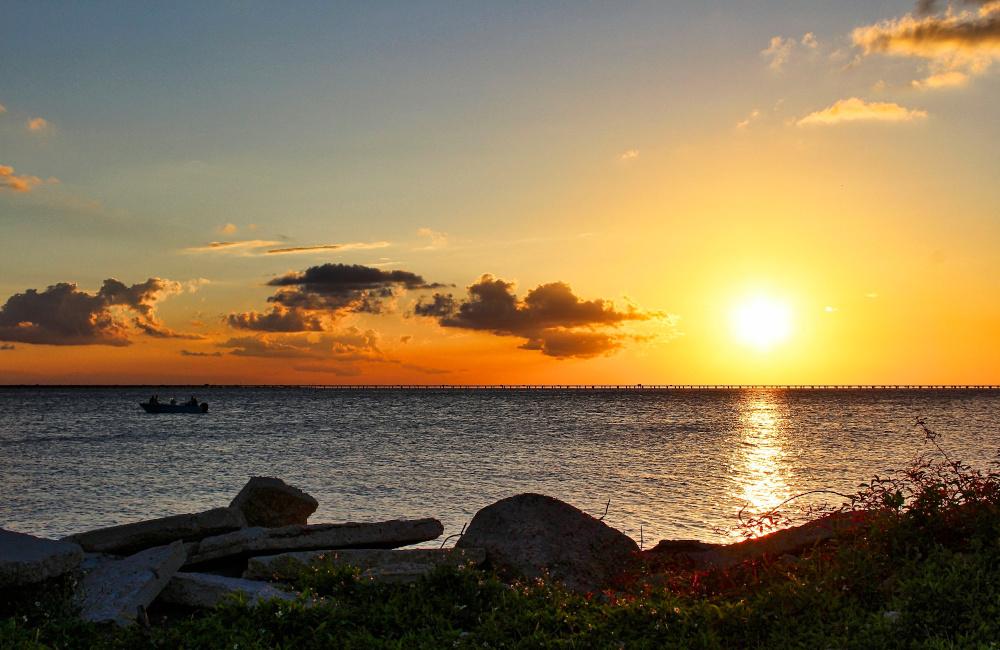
(119, 591)
(378, 565)
(271, 503)
(207, 590)
(26, 559)
(263, 541)
(532, 535)
(129, 538)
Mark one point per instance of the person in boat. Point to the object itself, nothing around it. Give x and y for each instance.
(192, 401)
(173, 402)
(154, 400)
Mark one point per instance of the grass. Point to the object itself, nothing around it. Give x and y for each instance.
(920, 570)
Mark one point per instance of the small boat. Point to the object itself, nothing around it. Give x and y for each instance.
(156, 407)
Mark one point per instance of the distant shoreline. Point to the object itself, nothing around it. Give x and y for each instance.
(545, 387)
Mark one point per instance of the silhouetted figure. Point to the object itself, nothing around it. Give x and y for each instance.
(173, 402)
(192, 401)
(154, 400)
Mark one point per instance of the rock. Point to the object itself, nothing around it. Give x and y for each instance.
(26, 559)
(262, 541)
(118, 591)
(531, 534)
(380, 565)
(270, 502)
(786, 543)
(129, 538)
(207, 590)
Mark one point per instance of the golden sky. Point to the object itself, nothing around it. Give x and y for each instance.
(418, 193)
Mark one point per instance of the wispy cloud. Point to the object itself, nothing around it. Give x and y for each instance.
(319, 248)
(629, 154)
(250, 247)
(228, 229)
(744, 123)
(39, 125)
(17, 183)
(858, 110)
(3, 109)
(232, 247)
(434, 238)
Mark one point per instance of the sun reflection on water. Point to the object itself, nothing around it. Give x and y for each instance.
(757, 468)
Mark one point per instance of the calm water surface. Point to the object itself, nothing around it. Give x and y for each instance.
(679, 464)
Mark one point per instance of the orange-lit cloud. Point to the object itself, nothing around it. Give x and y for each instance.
(17, 183)
(551, 318)
(251, 247)
(958, 44)
(630, 154)
(858, 110)
(278, 319)
(319, 248)
(435, 240)
(39, 125)
(228, 229)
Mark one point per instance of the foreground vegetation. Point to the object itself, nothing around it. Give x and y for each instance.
(920, 569)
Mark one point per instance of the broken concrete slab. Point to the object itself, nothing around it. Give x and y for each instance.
(377, 564)
(129, 538)
(26, 559)
(270, 502)
(117, 591)
(261, 541)
(207, 590)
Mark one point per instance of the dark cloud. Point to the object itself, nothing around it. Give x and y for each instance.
(336, 288)
(6, 346)
(64, 315)
(277, 320)
(963, 33)
(927, 7)
(551, 317)
(439, 305)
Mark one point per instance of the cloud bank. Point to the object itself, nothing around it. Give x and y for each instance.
(12, 182)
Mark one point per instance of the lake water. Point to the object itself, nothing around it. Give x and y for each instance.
(677, 464)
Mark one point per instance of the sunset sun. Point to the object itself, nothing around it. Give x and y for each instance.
(761, 322)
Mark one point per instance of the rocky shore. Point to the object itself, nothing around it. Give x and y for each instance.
(257, 543)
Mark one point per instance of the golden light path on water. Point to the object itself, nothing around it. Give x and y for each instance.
(757, 466)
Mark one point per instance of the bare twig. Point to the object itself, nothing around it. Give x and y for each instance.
(606, 506)
(458, 534)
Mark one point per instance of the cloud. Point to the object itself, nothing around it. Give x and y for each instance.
(744, 123)
(344, 287)
(265, 247)
(858, 110)
(189, 353)
(232, 247)
(14, 183)
(6, 346)
(347, 346)
(352, 246)
(64, 315)
(278, 319)
(435, 239)
(39, 125)
(965, 41)
(3, 109)
(550, 317)
(926, 7)
(630, 154)
(778, 51)
(228, 228)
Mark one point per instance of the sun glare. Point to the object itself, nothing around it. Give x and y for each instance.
(762, 322)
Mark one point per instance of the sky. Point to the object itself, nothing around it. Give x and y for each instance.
(419, 192)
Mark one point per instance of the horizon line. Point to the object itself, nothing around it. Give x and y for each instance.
(522, 387)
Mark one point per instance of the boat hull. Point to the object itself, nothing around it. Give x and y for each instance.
(174, 408)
